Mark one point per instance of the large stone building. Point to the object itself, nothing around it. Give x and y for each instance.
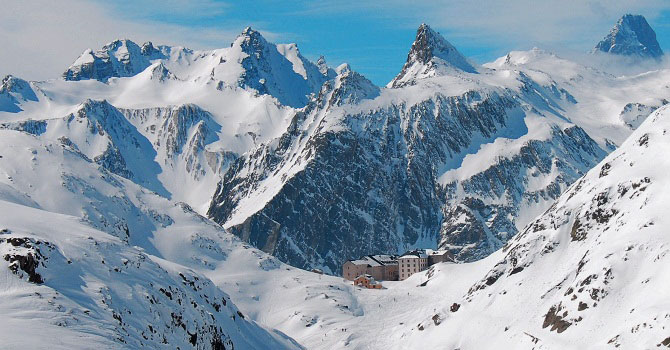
(392, 268)
(380, 267)
(420, 259)
(411, 263)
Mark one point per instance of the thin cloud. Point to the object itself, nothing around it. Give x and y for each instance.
(550, 22)
(41, 38)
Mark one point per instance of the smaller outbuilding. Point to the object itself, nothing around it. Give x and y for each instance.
(367, 281)
(439, 256)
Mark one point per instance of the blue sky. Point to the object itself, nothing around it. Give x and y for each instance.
(373, 36)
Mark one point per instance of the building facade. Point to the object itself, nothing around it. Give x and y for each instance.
(380, 267)
(411, 263)
(438, 256)
(392, 267)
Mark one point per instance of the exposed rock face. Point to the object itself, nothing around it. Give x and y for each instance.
(482, 210)
(160, 73)
(180, 135)
(24, 256)
(631, 36)
(346, 180)
(430, 54)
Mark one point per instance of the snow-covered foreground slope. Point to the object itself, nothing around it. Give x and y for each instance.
(69, 286)
(324, 312)
(92, 260)
(591, 272)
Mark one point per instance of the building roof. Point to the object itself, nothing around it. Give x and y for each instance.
(376, 260)
(365, 261)
(385, 259)
(368, 277)
(414, 254)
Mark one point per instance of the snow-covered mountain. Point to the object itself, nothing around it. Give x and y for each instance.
(92, 259)
(431, 54)
(13, 92)
(120, 58)
(458, 157)
(250, 62)
(631, 36)
(123, 157)
(168, 118)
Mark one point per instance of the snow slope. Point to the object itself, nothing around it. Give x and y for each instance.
(92, 260)
(588, 273)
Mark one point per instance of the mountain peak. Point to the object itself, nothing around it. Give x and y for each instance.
(119, 58)
(250, 41)
(14, 91)
(349, 87)
(322, 65)
(249, 31)
(430, 53)
(12, 84)
(631, 36)
(249, 34)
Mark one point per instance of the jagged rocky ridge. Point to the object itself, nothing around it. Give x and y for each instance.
(366, 176)
(120, 58)
(631, 36)
(251, 62)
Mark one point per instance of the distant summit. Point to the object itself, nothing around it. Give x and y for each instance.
(119, 58)
(430, 55)
(631, 36)
(277, 69)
